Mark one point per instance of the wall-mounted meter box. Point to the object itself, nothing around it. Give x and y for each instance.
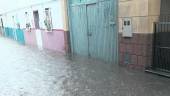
(127, 27)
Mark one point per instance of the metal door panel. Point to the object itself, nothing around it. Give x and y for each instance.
(20, 36)
(93, 29)
(106, 37)
(79, 30)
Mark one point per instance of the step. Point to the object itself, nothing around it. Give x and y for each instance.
(157, 72)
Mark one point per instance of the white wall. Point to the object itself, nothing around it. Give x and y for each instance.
(8, 5)
(56, 12)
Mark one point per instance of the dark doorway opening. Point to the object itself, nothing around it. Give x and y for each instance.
(36, 19)
(1, 26)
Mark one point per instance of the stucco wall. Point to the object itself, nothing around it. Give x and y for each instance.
(54, 40)
(133, 8)
(154, 13)
(56, 12)
(142, 12)
(10, 5)
(136, 51)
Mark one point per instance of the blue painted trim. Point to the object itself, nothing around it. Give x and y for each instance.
(15, 34)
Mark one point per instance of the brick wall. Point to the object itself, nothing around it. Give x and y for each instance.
(135, 52)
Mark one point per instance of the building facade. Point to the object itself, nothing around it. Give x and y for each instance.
(41, 24)
(102, 29)
(136, 30)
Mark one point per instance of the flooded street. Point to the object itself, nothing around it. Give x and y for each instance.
(27, 71)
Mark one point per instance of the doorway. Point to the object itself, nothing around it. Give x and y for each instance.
(93, 29)
(1, 27)
(36, 19)
(38, 32)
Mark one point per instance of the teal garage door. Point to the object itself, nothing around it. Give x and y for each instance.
(93, 28)
(20, 36)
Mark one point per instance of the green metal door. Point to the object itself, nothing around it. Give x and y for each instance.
(79, 30)
(93, 29)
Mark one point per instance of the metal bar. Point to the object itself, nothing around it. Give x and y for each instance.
(164, 47)
(153, 46)
(163, 22)
(161, 44)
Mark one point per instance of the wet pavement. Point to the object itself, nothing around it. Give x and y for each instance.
(27, 71)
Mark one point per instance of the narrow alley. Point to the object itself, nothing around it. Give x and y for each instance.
(27, 71)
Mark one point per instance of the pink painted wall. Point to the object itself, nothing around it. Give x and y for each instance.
(54, 40)
(30, 38)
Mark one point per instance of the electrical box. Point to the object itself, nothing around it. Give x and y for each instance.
(127, 27)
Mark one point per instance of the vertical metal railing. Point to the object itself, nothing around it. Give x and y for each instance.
(161, 46)
(164, 18)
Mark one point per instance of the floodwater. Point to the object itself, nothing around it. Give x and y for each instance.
(27, 71)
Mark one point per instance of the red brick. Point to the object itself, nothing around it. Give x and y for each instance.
(148, 61)
(150, 39)
(121, 58)
(129, 48)
(141, 39)
(120, 38)
(149, 50)
(137, 49)
(122, 47)
(134, 60)
(141, 60)
(144, 50)
(127, 40)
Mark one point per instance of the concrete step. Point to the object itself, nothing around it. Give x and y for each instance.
(158, 72)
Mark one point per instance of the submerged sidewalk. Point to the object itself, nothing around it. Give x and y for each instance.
(26, 71)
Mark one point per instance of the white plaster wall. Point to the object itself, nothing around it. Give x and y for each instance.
(8, 5)
(56, 12)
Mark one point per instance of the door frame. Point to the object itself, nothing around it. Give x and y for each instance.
(116, 27)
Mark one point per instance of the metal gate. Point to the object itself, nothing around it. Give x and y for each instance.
(93, 28)
(161, 47)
